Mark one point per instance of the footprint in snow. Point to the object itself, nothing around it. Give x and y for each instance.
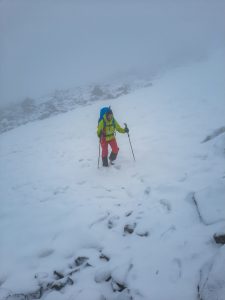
(176, 270)
(168, 232)
(129, 213)
(99, 220)
(147, 191)
(165, 205)
(112, 222)
(60, 190)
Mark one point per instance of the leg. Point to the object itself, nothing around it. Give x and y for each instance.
(115, 149)
(104, 145)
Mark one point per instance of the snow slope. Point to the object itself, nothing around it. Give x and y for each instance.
(139, 230)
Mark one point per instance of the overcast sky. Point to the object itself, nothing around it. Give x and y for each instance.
(55, 44)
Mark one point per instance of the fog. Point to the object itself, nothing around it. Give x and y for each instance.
(59, 44)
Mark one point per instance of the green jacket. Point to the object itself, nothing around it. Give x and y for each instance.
(108, 128)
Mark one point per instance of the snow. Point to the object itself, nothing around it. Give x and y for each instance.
(212, 286)
(210, 201)
(58, 208)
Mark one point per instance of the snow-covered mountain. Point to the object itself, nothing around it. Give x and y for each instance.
(146, 229)
(61, 101)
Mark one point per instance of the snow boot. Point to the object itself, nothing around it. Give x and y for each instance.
(112, 157)
(105, 161)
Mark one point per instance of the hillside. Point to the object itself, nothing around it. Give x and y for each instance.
(138, 230)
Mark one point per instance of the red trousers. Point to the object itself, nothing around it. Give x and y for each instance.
(113, 145)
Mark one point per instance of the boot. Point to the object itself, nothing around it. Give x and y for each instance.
(112, 156)
(105, 161)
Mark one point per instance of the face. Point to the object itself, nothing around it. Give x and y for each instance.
(109, 117)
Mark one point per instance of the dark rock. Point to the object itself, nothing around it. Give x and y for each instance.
(74, 271)
(58, 275)
(117, 287)
(129, 213)
(129, 228)
(219, 238)
(104, 257)
(17, 297)
(61, 283)
(143, 234)
(34, 295)
(87, 265)
(80, 260)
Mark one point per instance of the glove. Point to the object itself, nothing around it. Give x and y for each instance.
(126, 130)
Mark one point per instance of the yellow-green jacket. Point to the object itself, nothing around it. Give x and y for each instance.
(108, 128)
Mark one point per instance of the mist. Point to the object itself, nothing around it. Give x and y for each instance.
(60, 44)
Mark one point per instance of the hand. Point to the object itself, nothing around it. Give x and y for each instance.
(126, 129)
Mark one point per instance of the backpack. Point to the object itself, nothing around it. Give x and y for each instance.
(103, 111)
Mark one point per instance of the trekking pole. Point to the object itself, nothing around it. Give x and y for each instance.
(130, 141)
(99, 151)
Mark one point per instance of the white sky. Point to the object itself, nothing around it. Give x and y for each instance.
(54, 44)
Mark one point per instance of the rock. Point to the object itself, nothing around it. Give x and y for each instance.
(143, 234)
(119, 277)
(80, 260)
(117, 287)
(219, 238)
(124, 295)
(30, 296)
(58, 275)
(17, 297)
(59, 284)
(129, 228)
(104, 257)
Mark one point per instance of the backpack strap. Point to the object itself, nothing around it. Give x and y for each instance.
(113, 123)
(105, 125)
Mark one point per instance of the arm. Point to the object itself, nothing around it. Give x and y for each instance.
(118, 128)
(100, 128)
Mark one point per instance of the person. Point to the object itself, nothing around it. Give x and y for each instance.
(107, 128)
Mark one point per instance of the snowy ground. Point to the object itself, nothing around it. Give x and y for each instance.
(139, 230)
